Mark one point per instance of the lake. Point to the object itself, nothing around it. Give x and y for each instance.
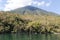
(29, 37)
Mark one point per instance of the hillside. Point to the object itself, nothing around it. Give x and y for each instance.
(32, 10)
(27, 23)
(29, 19)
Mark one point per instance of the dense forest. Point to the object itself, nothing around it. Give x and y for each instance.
(14, 23)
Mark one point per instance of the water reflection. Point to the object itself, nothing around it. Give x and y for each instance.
(29, 37)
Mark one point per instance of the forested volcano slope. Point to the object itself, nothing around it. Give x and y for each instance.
(14, 22)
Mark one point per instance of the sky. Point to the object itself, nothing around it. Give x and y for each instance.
(49, 5)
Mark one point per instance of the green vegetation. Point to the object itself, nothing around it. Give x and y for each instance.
(12, 23)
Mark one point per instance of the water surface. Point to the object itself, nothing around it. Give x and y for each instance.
(29, 37)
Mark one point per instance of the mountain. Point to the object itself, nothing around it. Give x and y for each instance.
(38, 22)
(32, 10)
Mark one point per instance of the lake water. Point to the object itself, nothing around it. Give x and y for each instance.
(29, 37)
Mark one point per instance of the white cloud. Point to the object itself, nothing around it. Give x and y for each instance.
(35, 2)
(13, 4)
(41, 3)
(48, 4)
(0, 0)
